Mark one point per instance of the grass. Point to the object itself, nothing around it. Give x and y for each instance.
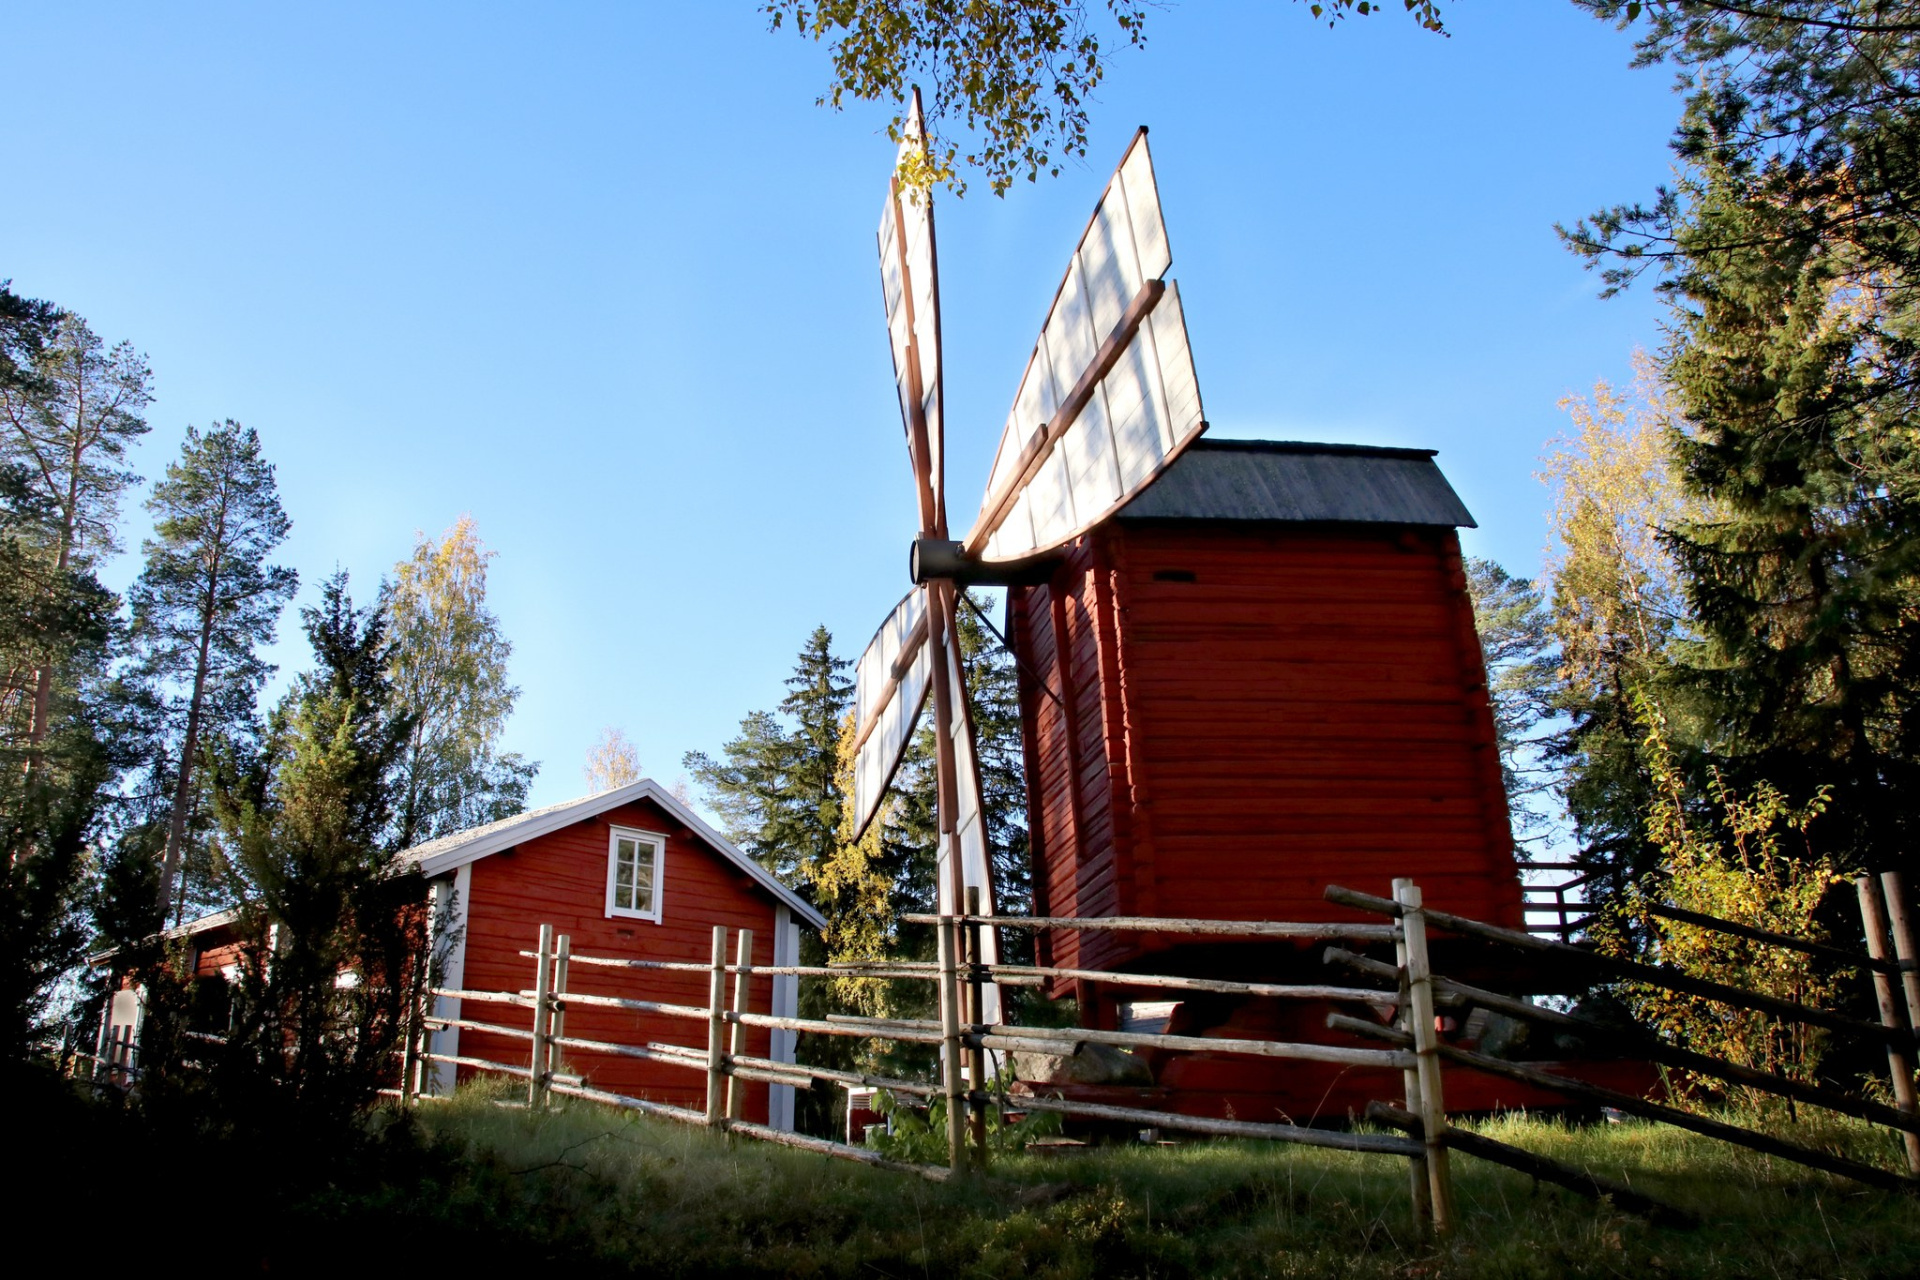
(610, 1192)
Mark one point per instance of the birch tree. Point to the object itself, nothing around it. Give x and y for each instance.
(612, 762)
(205, 604)
(450, 675)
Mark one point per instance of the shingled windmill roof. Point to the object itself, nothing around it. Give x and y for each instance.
(1301, 483)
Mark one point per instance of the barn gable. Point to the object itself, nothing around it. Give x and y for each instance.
(495, 885)
(449, 853)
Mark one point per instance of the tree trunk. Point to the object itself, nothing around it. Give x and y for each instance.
(40, 724)
(170, 862)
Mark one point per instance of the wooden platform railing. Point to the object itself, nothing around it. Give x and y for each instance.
(1895, 1031)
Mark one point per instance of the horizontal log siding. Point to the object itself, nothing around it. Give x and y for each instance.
(1313, 705)
(561, 879)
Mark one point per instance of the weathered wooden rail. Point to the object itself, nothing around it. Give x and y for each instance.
(1412, 1045)
(963, 1038)
(1894, 1030)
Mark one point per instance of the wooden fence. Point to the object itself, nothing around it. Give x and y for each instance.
(963, 1039)
(1410, 1044)
(1895, 1031)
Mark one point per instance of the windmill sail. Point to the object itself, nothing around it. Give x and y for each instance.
(910, 287)
(890, 686)
(1109, 396)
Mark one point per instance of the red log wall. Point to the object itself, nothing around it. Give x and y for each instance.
(1250, 712)
(561, 879)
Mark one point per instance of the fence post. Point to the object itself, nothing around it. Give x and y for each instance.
(976, 1058)
(717, 1030)
(742, 973)
(1432, 1107)
(1905, 946)
(950, 1043)
(1421, 1187)
(557, 1005)
(542, 1001)
(1873, 918)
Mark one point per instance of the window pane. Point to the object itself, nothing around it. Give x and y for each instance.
(643, 877)
(623, 869)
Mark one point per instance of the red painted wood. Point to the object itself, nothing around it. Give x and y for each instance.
(561, 879)
(1309, 708)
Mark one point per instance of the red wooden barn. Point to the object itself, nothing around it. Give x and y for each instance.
(1261, 676)
(631, 873)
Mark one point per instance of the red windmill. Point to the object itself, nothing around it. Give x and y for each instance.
(1248, 669)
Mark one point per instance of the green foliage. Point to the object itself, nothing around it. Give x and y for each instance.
(449, 673)
(333, 939)
(205, 603)
(921, 1138)
(1745, 857)
(1018, 76)
(774, 787)
(1517, 646)
(68, 412)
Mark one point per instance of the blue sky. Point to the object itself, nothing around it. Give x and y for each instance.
(602, 276)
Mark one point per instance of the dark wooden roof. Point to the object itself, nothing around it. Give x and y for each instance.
(1301, 483)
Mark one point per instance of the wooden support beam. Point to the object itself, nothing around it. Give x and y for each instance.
(742, 975)
(542, 1005)
(717, 1030)
(1617, 1044)
(1873, 918)
(1632, 1105)
(1431, 1105)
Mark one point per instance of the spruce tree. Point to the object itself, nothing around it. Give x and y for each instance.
(203, 606)
(307, 826)
(774, 786)
(1805, 584)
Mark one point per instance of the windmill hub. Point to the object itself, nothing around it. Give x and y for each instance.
(941, 559)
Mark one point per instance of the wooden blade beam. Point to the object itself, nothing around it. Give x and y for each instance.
(1048, 435)
(919, 440)
(909, 650)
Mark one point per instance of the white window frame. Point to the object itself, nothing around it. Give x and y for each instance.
(659, 842)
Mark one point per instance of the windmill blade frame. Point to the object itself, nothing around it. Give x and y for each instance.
(910, 293)
(891, 683)
(1110, 382)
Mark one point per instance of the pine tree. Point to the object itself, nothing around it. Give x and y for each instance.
(449, 673)
(69, 409)
(1522, 669)
(203, 606)
(993, 699)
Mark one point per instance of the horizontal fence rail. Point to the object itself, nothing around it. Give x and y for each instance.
(1406, 989)
(962, 1036)
(1893, 1032)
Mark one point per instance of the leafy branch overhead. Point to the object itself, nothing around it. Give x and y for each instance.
(1016, 76)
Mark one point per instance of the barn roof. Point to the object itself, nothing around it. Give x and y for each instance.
(1301, 483)
(448, 852)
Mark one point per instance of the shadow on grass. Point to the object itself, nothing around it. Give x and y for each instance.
(470, 1183)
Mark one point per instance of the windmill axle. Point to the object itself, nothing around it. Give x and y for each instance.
(940, 559)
